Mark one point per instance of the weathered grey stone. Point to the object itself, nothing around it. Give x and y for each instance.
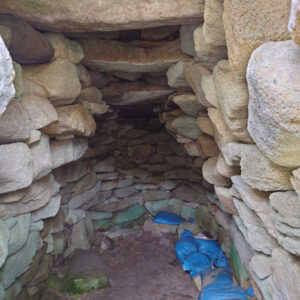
(285, 270)
(35, 136)
(105, 166)
(213, 30)
(35, 48)
(112, 56)
(90, 94)
(208, 87)
(84, 76)
(250, 24)
(211, 174)
(273, 108)
(18, 263)
(129, 93)
(40, 111)
(49, 210)
(226, 199)
(187, 38)
(4, 238)
(293, 25)
(79, 238)
(125, 192)
(18, 81)
(63, 152)
(18, 234)
(262, 174)
(232, 96)
(205, 53)
(29, 199)
(156, 195)
(257, 201)
(158, 33)
(42, 161)
(72, 119)
(83, 198)
(187, 126)
(193, 76)
(15, 167)
(61, 16)
(171, 205)
(14, 124)
(261, 265)
(85, 183)
(207, 146)
(254, 232)
(175, 75)
(287, 205)
(65, 48)
(72, 172)
(188, 104)
(58, 81)
(7, 90)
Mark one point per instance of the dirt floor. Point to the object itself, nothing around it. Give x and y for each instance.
(144, 267)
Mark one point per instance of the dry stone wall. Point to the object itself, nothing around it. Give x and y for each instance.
(223, 81)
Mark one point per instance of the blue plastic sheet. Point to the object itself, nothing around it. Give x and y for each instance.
(164, 217)
(218, 285)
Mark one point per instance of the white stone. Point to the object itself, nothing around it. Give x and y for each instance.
(48, 211)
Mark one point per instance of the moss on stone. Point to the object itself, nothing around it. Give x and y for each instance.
(52, 281)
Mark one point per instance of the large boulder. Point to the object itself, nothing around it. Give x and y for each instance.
(15, 167)
(27, 45)
(58, 81)
(7, 75)
(138, 56)
(232, 96)
(248, 24)
(273, 105)
(76, 16)
(40, 111)
(72, 119)
(14, 123)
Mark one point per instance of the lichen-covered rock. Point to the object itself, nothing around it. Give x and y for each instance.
(186, 126)
(14, 124)
(139, 56)
(7, 75)
(58, 81)
(65, 48)
(40, 111)
(206, 54)
(273, 104)
(232, 96)
(213, 30)
(57, 15)
(27, 45)
(15, 167)
(249, 24)
(72, 119)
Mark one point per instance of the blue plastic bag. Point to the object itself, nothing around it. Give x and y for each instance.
(196, 263)
(185, 246)
(213, 250)
(164, 217)
(218, 285)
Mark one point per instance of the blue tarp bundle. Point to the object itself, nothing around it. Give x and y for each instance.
(198, 256)
(218, 285)
(164, 217)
